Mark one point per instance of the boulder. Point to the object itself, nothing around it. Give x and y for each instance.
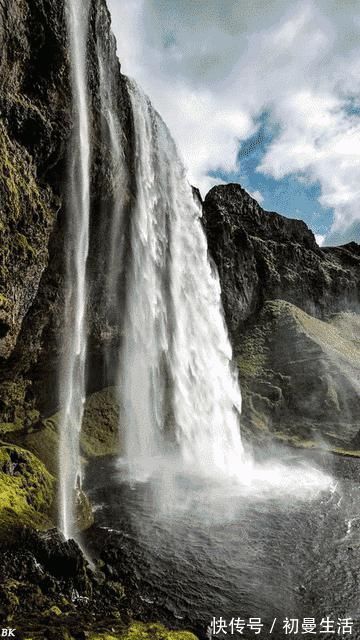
(26, 490)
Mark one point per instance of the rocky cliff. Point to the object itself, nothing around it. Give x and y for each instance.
(36, 121)
(292, 312)
(35, 126)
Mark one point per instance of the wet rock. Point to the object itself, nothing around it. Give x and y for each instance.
(59, 558)
(83, 511)
(299, 378)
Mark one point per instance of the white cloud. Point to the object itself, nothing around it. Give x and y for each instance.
(211, 68)
(320, 239)
(257, 196)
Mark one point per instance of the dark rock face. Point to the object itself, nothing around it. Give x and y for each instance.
(264, 256)
(291, 309)
(35, 128)
(45, 579)
(34, 125)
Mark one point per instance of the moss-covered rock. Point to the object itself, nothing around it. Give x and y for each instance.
(26, 490)
(300, 378)
(100, 431)
(42, 440)
(16, 410)
(84, 516)
(27, 215)
(100, 437)
(141, 631)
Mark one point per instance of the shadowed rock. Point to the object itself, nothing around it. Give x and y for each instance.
(263, 256)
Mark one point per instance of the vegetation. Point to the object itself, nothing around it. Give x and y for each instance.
(140, 631)
(26, 489)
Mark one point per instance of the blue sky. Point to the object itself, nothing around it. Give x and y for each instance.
(289, 196)
(262, 93)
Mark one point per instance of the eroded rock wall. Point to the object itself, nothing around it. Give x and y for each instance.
(262, 256)
(35, 128)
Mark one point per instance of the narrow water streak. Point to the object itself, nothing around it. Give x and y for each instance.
(72, 376)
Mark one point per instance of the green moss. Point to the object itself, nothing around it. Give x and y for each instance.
(26, 217)
(141, 631)
(348, 323)
(329, 337)
(4, 301)
(252, 356)
(250, 363)
(25, 245)
(9, 427)
(42, 441)
(16, 411)
(26, 489)
(100, 430)
(300, 442)
(83, 510)
(297, 374)
(18, 184)
(53, 611)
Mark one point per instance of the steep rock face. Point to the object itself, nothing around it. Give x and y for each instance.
(263, 256)
(34, 124)
(291, 309)
(35, 128)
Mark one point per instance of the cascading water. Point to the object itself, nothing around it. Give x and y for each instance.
(178, 394)
(175, 379)
(72, 378)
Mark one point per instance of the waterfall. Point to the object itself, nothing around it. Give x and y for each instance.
(178, 392)
(177, 388)
(72, 375)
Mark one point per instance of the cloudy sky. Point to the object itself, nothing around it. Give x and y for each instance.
(262, 93)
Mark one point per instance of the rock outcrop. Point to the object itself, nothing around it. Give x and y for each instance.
(27, 490)
(291, 308)
(262, 256)
(35, 127)
(36, 121)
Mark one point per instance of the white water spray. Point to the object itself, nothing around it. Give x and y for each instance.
(72, 378)
(176, 381)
